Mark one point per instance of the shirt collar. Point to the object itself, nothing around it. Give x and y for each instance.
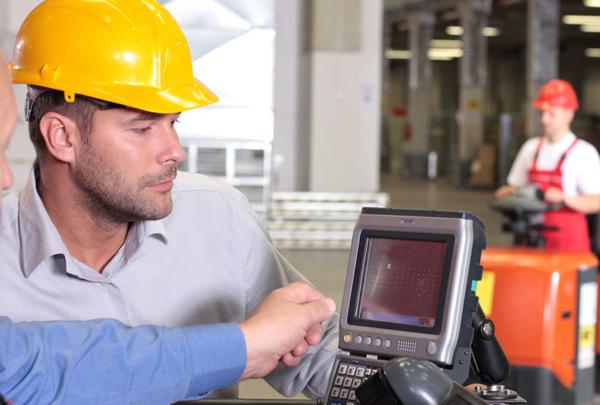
(40, 239)
(566, 140)
(144, 229)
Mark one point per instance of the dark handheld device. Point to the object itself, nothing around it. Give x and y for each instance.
(524, 209)
(404, 381)
(409, 292)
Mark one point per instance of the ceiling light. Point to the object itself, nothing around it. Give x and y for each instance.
(433, 53)
(445, 53)
(591, 3)
(397, 54)
(490, 31)
(457, 31)
(592, 52)
(573, 19)
(454, 30)
(590, 28)
(446, 43)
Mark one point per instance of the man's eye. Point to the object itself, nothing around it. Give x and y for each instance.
(174, 121)
(141, 131)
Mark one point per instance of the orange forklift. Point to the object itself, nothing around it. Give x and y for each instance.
(544, 305)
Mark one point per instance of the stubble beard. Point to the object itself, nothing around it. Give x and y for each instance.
(109, 198)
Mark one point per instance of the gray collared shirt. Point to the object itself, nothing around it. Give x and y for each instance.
(209, 261)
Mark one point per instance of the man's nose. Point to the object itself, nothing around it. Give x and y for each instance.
(544, 117)
(172, 151)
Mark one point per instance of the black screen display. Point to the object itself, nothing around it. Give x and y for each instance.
(402, 281)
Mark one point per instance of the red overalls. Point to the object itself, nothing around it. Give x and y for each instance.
(572, 234)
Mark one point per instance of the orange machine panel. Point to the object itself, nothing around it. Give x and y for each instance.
(534, 306)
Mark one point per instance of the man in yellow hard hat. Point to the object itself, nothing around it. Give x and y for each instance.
(106, 227)
(105, 361)
(563, 166)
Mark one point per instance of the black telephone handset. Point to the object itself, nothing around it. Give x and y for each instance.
(405, 381)
(412, 381)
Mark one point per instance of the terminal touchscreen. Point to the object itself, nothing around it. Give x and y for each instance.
(409, 292)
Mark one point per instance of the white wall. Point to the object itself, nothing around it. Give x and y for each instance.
(345, 108)
(20, 153)
(291, 140)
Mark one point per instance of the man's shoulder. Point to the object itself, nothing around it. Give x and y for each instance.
(198, 192)
(532, 143)
(584, 145)
(196, 184)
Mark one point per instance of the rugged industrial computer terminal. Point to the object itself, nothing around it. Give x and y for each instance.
(409, 292)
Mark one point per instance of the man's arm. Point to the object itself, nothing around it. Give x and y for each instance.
(517, 176)
(584, 164)
(587, 167)
(503, 191)
(588, 204)
(104, 361)
(293, 314)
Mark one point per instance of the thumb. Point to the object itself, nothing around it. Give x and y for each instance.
(320, 310)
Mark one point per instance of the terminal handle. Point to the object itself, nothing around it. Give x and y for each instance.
(490, 361)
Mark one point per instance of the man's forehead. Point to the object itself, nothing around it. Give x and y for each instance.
(555, 110)
(131, 115)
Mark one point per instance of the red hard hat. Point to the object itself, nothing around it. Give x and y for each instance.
(556, 93)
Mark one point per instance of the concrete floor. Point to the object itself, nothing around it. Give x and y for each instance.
(327, 268)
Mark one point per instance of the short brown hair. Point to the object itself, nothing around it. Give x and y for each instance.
(80, 110)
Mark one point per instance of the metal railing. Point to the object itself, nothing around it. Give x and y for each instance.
(309, 220)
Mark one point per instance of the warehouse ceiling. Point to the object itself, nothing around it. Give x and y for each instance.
(232, 47)
(509, 16)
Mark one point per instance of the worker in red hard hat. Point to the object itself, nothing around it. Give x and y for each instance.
(564, 167)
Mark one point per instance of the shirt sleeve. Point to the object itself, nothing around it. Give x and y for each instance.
(104, 361)
(588, 167)
(265, 270)
(517, 177)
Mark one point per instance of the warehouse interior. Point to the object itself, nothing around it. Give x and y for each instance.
(329, 106)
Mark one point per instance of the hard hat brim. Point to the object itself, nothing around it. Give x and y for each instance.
(545, 105)
(166, 101)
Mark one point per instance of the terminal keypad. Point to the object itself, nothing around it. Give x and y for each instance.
(347, 377)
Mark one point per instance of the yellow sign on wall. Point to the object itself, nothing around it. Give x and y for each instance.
(485, 291)
(474, 104)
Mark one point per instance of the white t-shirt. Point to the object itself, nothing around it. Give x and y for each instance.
(581, 167)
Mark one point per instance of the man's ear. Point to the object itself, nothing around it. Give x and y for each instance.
(61, 135)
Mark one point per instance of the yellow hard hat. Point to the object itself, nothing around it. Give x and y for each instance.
(129, 52)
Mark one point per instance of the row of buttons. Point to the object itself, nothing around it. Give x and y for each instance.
(359, 371)
(343, 393)
(347, 379)
(376, 341)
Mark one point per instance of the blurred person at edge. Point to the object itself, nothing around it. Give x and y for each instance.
(564, 167)
(105, 226)
(106, 361)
